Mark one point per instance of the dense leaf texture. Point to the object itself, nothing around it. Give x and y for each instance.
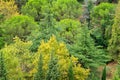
(114, 47)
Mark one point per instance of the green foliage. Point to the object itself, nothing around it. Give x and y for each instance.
(39, 74)
(70, 72)
(3, 73)
(47, 28)
(68, 29)
(20, 3)
(114, 48)
(20, 26)
(104, 74)
(102, 20)
(1, 39)
(89, 56)
(53, 69)
(64, 9)
(33, 8)
(85, 49)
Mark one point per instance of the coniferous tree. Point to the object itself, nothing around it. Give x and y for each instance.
(39, 74)
(47, 27)
(114, 42)
(70, 71)
(3, 75)
(104, 74)
(102, 19)
(89, 56)
(53, 72)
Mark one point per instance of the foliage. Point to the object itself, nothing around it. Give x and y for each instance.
(1, 39)
(64, 9)
(20, 3)
(63, 57)
(39, 74)
(84, 49)
(114, 48)
(117, 73)
(61, 9)
(70, 72)
(104, 74)
(33, 8)
(3, 73)
(20, 26)
(7, 10)
(47, 28)
(102, 20)
(18, 60)
(68, 29)
(53, 72)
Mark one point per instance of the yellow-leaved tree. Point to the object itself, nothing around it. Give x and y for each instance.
(7, 9)
(64, 60)
(18, 60)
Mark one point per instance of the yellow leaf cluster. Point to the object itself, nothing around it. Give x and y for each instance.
(60, 50)
(8, 9)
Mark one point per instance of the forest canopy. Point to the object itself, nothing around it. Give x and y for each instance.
(59, 39)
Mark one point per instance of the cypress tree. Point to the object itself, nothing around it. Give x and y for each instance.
(70, 71)
(53, 72)
(104, 74)
(39, 74)
(3, 75)
(114, 42)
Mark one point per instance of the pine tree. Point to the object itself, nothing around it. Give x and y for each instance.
(70, 71)
(39, 74)
(3, 75)
(114, 42)
(53, 72)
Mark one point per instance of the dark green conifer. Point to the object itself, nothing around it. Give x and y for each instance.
(39, 74)
(70, 71)
(53, 72)
(88, 54)
(3, 74)
(104, 74)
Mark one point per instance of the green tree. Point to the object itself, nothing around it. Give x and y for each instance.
(84, 49)
(113, 47)
(1, 39)
(53, 69)
(104, 74)
(70, 71)
(20, 26)
(64, 9)
(102, 19)
(3, 73)
(33, 8)
(47, 27)
(68, 29)
(39, 74)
